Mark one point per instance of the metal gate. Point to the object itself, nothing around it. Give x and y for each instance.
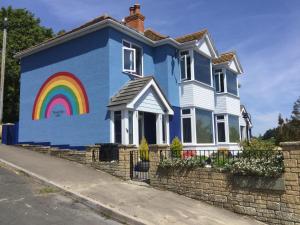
(139, 165)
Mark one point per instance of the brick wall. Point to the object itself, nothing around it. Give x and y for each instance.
(275, 201)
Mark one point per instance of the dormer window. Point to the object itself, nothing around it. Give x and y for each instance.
(132, 58)
(185, 64)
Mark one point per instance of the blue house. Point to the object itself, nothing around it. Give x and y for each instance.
(115, 82)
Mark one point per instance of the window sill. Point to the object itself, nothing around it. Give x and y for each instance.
(132, 74)
(198, 83)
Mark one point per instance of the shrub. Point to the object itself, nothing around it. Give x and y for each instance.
(257, 144)
(269, 165)
(176, 148)
(144, 150)
(183, 163)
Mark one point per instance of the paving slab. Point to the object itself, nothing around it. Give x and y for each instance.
(141, 204)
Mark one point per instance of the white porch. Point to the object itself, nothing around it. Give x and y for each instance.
(140, 110)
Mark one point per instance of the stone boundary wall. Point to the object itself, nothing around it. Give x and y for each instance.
(119, 168)
(273, 205)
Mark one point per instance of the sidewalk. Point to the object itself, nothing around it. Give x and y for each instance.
(129, 202)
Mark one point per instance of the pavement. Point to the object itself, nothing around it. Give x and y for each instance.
(24, 200)
(127, 202)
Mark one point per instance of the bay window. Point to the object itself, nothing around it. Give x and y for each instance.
(204, 126)
(231, 82)
(132, 58)
(233, 123)
(202, 68)
(219, 81)
(220, 124)
(185, 65)
(186, 125)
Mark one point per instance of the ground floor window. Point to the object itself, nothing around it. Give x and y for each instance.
(187, 130)
(118, 127)
(221, 135)
(163, 120)
(233, 123)
(204, 126)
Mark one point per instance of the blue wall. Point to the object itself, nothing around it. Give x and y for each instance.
(96, 59)
(85, 57)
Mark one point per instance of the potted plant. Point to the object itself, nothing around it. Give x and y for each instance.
(143, 165)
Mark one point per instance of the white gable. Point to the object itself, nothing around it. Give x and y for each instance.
(233, 66)
(150, 102)
(204, 49)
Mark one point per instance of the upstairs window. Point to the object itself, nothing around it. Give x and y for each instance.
(202, 68)
(185, 65)
(231, 82)
(219, 81)
(132, 58)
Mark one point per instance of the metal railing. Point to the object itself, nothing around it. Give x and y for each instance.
(109, 152)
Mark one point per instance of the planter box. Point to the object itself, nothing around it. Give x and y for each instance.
(255, 182)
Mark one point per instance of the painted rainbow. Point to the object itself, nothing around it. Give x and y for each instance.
(63, 89)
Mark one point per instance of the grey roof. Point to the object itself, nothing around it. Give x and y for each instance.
(129, 91)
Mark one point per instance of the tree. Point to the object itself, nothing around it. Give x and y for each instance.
(296, 110)
(24, 31)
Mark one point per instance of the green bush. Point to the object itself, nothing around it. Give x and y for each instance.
(144, 150)
(176, 148)
(257, 144)
(183, 163)
(268, 165)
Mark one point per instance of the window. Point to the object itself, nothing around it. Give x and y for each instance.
(130, 127)
(202, 68)
(118, 126)
(132, 58)
(186, 111)
(185, 65)
(204, 126)
(231, 82)
(219, 81)
(187, 130)
(186, 125)
(221, 135)
(234, 135)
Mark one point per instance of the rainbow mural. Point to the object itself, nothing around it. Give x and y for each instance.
(62, 89)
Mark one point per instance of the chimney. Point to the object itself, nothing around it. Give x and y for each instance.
(135, 19)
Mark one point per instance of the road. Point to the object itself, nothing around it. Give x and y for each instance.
(25, 201)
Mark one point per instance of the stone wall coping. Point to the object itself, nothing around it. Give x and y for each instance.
(290, 143)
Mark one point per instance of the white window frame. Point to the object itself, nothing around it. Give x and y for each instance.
(218, 74)
(184, 57)
(186, 116)
(225, 128)
(133, 71)
(133, 59)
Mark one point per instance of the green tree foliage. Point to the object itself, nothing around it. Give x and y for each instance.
(176, 148)
(24, 31)
(287, 130)
(296, 110)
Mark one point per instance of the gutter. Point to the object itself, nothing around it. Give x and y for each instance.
(92, 28)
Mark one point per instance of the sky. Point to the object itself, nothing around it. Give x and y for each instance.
(264, 33)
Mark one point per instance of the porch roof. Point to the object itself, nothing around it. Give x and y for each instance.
(134, 89)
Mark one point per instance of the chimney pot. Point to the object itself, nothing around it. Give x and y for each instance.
(137, 8)
(135, 19)
(131, 10)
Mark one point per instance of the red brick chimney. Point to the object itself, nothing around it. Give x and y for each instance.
(135, 19)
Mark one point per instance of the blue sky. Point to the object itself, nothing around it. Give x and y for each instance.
(265, 34)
